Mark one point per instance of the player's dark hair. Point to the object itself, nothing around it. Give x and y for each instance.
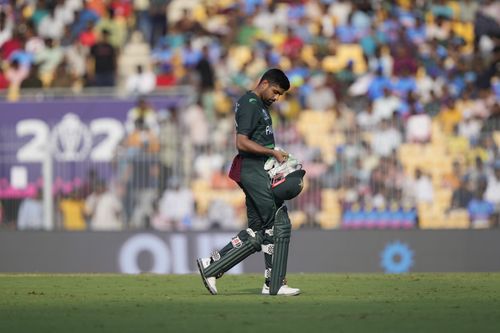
(276, 76)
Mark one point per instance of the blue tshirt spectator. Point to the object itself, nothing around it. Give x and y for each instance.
(163, 56)
(480, 212)
(251, 5)
(303, 32)
(296, 11)
(191, 57)
(389, 29)
(25, 59)
(441, 51)
(405, 17)
(403, 85)
(458, 85)
(81, 21)
(304, 91)
(368, 44)
(302, 71)
(416, 34)
(496, 88)
(346, 34)
(361, 21)
(377, 86)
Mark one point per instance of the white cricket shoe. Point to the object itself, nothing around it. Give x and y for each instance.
(285, 290)
(208, 281)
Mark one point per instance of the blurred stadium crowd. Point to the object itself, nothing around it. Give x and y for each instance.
(394, 106)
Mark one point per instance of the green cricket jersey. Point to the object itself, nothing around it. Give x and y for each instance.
(253, 120)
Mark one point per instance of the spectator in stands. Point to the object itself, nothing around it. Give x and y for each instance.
(48, 59)
(116, 27)
(207, 163)
(6, 28)
(162, 57)
(62, 79)
(159, 20)
(143, 20)
(221, 215)
(89, 183)
(171, 146)
(195, 122)
(15, 42)
(142, 138)
(470, 127)
(89, 12)
(492, 193)
(310, 203)
(386, 138)
(32, 81)
(75, 55)
(51, 25)
(346, 77)
(468, 10)
(289, 108)
(16, 74)
(65, 10)
(463, 194)
(353, 147)
(221, 181)
(141, 82)
(491, 148)
(206, 85)
(71, 207)
(103, 62)
(385, 106)
(142, 110)
(321, 98)
(175, 208)
(492, 122)
(481, 211)
(477, 173)
(104, 209)
(421, 187)
(418, 126)
(141, 174)
(30, 215)
(433, 105)
(34, 43)
(333, 176)
(404, 66)
(4, 82)
(452, 179)
(88, 37)
(366, 119)
(449, 117)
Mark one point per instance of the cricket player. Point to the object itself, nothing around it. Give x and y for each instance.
(269, 226)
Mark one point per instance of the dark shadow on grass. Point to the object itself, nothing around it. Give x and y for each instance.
(240, 292)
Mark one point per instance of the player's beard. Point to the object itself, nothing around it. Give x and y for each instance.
(267, 102)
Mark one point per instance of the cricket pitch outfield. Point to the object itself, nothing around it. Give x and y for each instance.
(445, 302)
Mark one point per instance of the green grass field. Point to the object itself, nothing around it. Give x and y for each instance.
(329, 303)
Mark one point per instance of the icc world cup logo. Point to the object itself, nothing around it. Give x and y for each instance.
(71, 139)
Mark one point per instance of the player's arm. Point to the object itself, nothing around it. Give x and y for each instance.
(243, 143)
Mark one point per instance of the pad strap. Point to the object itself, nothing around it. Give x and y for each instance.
(246, 243)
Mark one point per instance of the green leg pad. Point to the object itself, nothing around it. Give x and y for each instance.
(247, 247)
(281, 232)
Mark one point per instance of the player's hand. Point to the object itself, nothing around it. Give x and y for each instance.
(280, 156)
